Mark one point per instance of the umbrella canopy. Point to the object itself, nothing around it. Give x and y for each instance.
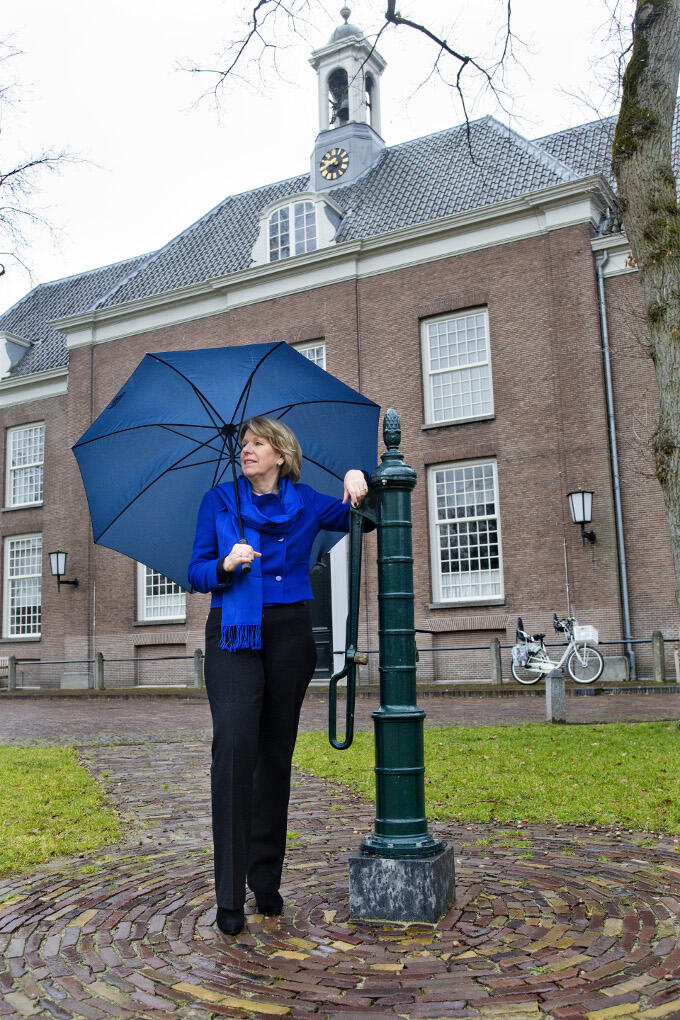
(170, 434)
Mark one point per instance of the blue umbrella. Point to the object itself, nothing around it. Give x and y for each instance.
(171, 433)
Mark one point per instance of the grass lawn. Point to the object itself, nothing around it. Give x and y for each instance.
(620, 774)
(49, 805)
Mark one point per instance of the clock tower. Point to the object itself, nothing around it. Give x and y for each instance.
(348, 71)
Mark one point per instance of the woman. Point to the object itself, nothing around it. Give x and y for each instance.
(259, 652)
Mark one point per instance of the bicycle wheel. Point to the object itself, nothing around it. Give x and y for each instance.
(523, 675)
(585, 664)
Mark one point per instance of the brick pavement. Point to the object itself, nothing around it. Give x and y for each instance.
(26, 719)
(559, 923)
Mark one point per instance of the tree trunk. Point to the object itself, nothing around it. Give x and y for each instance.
(642, 163)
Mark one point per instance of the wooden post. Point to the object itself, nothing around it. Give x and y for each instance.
(99, 671)
(659, 658)
(12, 673)
(496, 664)
(198, 668)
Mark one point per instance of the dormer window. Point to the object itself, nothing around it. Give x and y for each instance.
(296, 225)
(292, 230)
(12, 350)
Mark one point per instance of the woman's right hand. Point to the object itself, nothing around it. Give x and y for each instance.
(241, 553)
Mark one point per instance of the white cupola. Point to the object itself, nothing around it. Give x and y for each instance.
(348, 74)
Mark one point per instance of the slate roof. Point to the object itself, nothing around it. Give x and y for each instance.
(29, 318)
(411, 183)
(414, 182)
(587, 148)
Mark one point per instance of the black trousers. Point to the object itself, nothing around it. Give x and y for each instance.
(255, 700)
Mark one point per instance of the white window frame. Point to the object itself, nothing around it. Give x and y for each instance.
(429, 374)
(314, 351)
(143, 614)
(328, 216)
(11, 472)
(298, 241)
(436, 523)
(7, 580)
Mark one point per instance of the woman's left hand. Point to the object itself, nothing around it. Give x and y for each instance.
(355, 487)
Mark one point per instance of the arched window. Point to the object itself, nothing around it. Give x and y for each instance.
(292, 230)
(338, 97)
(368, 97)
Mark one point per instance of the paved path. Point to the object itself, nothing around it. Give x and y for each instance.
(86, 720)
(557, 923)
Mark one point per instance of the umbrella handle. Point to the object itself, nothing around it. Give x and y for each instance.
(245, 567)
(352, 656)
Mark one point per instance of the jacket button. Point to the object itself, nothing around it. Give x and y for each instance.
(281, 540)
(278, 577)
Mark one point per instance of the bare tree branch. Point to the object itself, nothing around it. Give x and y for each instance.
(20, 181)
(260, 36)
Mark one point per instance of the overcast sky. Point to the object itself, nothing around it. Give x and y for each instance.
(108, 82)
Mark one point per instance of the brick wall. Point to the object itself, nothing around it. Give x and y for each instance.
(548, 435)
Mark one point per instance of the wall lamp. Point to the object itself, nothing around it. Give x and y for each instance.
(58, 568)
(581, 506)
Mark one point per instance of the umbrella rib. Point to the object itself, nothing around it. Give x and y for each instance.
(172, 467)
(150, 425)
(285, 408)
(217, 466)
(196, 463)
(204, 400)
(175, 431)
(245, 392)
(323, 467)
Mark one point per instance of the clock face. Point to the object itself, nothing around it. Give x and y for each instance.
(334, 163)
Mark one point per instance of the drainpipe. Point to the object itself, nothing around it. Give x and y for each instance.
(600, 263)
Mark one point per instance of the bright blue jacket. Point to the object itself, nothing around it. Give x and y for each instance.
(285, 557)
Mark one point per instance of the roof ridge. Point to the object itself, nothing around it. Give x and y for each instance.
(192, 226)
(600, 121)
(89, 272)
(65, 279)
(20, 300)
(532, 149)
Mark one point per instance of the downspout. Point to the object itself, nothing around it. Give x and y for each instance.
(600, 263)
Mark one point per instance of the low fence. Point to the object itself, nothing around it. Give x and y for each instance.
(657, 659)
(176, 671)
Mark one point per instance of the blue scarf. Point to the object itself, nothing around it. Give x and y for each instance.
(242, 604)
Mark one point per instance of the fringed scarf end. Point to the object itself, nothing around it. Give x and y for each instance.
(241, 638)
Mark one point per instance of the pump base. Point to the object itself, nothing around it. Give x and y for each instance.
(412, 889)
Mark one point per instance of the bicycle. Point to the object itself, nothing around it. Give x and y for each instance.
(531, 661)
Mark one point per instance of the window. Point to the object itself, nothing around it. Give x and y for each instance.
(465, 532)
(23, 586)
(457, 368)
(315, 351)
(292, 230)
(25, 454)
(159, 598)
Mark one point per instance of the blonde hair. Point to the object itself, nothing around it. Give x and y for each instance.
(281, 438)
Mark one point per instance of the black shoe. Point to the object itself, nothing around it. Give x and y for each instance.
(230, 922)
(269, 903)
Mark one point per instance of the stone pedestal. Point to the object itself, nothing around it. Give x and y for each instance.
(555, 697)
(409, 889)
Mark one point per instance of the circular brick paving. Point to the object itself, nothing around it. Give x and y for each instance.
(547, 923)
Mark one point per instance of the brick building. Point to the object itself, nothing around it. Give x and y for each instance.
(464, 278)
